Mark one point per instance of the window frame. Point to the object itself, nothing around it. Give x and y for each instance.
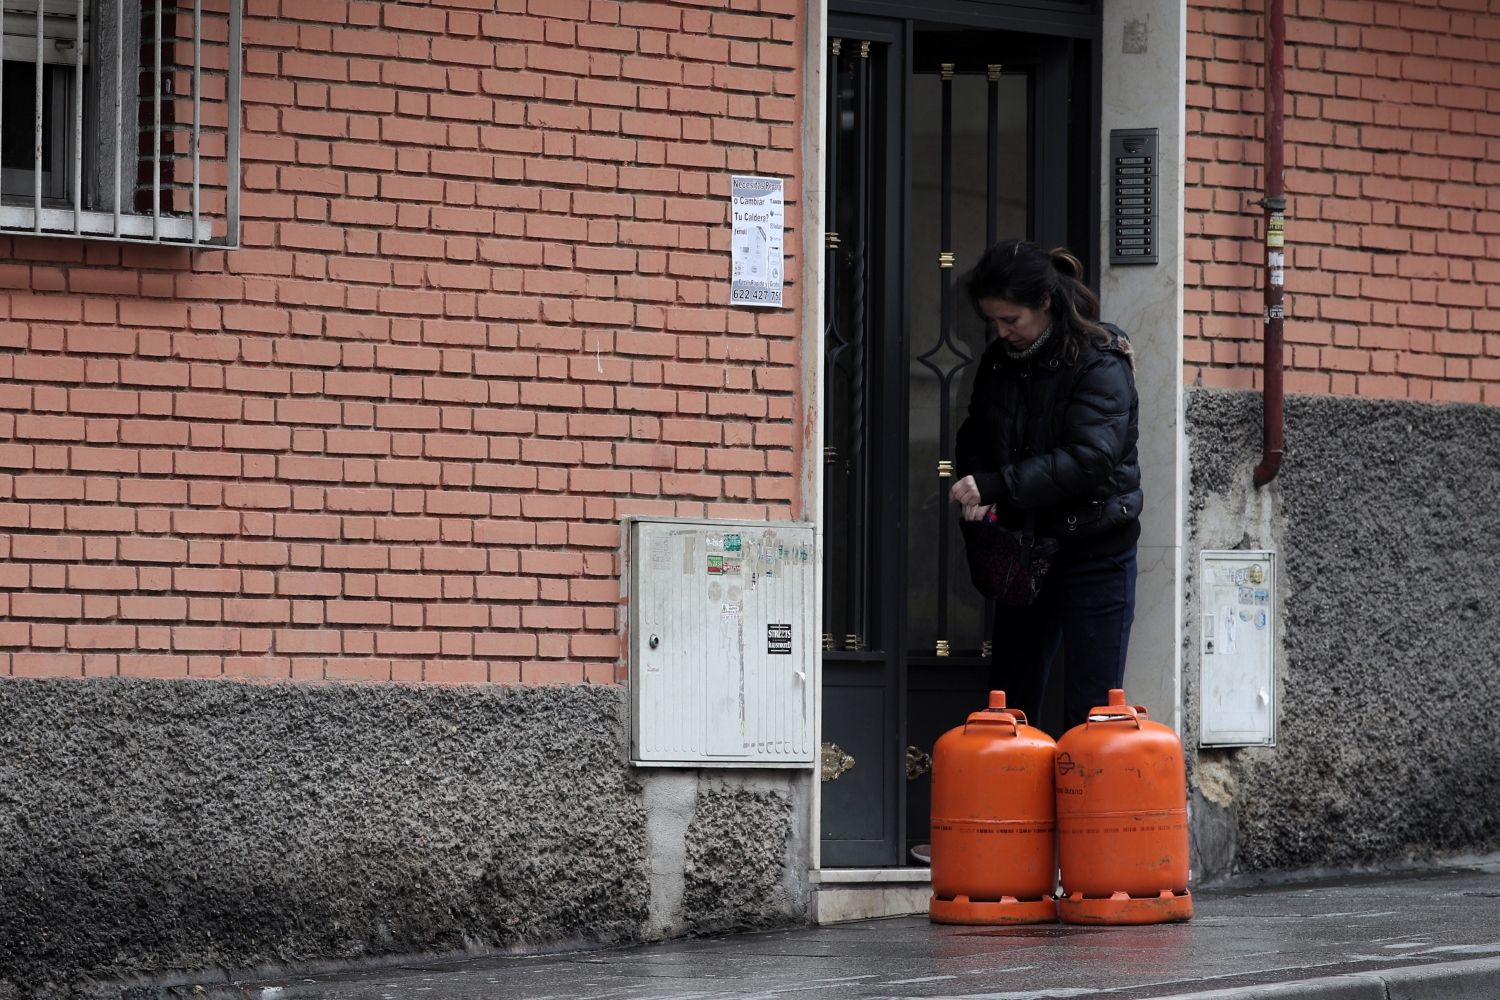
(17, 184)
(104, 172)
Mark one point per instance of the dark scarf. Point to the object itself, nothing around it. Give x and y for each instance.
(1031, 349)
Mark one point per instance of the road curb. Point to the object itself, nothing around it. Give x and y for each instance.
(1472, 979)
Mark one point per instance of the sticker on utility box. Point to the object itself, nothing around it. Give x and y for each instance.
(723, 543)
(779, 639)
(725, 566)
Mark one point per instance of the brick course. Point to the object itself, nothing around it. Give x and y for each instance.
(478, 316)
(1393, 215)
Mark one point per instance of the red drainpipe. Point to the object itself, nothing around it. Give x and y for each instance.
(1274, 204)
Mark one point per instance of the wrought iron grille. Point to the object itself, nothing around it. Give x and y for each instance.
(846, 597)
(969, 182)
(120, 120)
(969, 187)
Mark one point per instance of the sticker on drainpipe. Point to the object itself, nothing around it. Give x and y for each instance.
(1276, 231)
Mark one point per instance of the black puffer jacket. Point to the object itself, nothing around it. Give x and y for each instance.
(1059, 438)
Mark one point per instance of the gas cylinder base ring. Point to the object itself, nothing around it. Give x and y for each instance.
(1009, 910)
(1166, 908)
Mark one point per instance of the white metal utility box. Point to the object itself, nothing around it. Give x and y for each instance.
(720, 635)
(1237, 688)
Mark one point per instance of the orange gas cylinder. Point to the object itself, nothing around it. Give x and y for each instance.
(1122, 834)
(993, 821)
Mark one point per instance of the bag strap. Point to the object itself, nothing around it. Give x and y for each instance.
(1028, 531)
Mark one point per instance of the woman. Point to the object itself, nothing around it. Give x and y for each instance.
(1051, 432)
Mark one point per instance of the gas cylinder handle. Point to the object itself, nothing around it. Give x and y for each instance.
(1113, 713)
(999, 718)
(1117, 709)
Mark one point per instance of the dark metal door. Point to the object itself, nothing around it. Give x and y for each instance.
(864, 347)
(939, 141)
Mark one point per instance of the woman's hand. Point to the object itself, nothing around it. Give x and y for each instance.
(976, 512)
(965, 492)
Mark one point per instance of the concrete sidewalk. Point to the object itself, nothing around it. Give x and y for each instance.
(1431, 935)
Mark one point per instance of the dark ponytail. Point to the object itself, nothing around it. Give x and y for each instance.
(1024, 273)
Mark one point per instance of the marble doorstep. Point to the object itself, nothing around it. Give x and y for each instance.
(841, 894)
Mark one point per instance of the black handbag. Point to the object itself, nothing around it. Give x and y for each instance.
(1007, 566)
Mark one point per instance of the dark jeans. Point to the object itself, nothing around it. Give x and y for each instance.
(1088, 606)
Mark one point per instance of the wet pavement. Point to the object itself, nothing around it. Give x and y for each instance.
(1431, 935)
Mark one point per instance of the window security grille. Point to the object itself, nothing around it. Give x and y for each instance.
(120, 120)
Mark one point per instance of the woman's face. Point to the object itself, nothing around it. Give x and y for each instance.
(1019, 326)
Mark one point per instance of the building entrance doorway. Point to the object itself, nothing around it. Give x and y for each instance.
(945, 132)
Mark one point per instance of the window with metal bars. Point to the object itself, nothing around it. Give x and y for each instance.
(120, 119)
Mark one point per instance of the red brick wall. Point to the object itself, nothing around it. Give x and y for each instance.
(1393, 184)
(478, 316)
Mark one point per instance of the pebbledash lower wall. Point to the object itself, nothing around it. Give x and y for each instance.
(1383, 519)
(181, 831)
